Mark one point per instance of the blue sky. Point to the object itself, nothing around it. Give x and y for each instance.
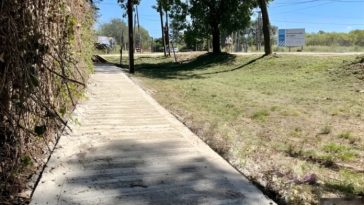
(314, 15)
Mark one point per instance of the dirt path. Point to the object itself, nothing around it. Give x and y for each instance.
(126, 149)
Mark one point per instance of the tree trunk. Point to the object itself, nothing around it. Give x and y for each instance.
(208, 44)
(174, 52)
(163, 39)
(121, 47)
(216, 39)
(266, 27)
(131, 36)
(167, 35)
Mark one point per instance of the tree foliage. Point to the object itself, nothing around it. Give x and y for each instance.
(116, 27)
(123, 4)
(229, 15)
(207, 18)
(353, 38)
(178, 15)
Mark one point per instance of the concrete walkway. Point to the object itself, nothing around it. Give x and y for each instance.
(126, 149)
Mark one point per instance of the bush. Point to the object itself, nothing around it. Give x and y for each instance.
(353, 38)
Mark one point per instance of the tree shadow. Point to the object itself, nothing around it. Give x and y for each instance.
(234, 69)
(150, 165)
(346, 189)
(171, 70)
(131, 172)
(185, 70)
(104, 68)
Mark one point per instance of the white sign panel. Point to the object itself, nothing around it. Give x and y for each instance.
(291, 37)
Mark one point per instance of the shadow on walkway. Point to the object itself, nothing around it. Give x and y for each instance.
(134, 173)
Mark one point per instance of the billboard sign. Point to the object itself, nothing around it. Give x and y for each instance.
(291, 37)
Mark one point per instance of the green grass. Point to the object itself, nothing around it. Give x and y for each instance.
(342, 152)
(349, 183)
(347, 135)
(266, 113)
(260, 115)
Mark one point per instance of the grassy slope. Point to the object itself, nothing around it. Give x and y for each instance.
(278, 119)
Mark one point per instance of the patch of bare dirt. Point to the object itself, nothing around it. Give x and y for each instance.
(356, 67)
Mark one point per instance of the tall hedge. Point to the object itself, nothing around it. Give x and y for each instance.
(45, 60)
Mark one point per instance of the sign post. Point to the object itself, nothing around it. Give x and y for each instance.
(291, 38)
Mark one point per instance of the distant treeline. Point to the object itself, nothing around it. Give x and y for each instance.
(117, 27)
(353, 38)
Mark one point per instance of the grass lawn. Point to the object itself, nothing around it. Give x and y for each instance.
(293, 124)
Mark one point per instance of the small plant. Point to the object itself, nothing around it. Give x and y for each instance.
(26, 161)
(348, 136)
(290, 112)
(340, 151)
(333, 148)
(297, 132)
(260, 115)
(350, 183)
(345, 135)
(294, 151)
(325, 130)
(274, 108)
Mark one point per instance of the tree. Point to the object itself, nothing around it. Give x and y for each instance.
(178, 14)
(166, 35)
(116, 27)
(178, 26)
(159, 9)
(353, 38)
(192, 38)
(357, 36)
(166, 5)
(158, 45)
(266, 27)
(211, 17)
(128, 5)
(163, 6)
